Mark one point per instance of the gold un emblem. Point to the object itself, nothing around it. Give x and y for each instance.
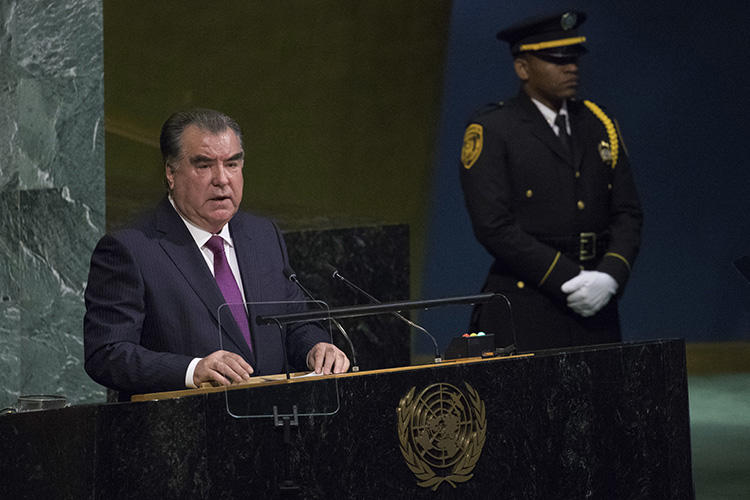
(442, 433)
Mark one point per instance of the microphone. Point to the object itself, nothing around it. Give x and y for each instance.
(292, 276)
(336, 275)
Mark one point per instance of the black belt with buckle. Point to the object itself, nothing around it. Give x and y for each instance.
(582, 246)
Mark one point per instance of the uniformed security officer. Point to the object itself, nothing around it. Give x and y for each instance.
(551, 196)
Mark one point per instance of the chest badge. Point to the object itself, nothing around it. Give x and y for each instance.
(605, 152)
(442, 432)
(472, 147)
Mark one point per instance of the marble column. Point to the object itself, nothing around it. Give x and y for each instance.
(51, 191)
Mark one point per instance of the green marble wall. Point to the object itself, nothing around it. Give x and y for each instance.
(51, 191)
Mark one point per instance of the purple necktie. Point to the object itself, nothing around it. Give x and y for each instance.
(228, 286)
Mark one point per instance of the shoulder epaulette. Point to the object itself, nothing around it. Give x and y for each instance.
(487, 108)
(609, 126)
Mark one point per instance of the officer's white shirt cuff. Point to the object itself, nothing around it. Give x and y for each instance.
(189, 374)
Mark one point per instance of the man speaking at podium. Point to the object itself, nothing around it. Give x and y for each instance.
(154, 289)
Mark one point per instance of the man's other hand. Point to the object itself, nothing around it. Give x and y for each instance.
(326, 358)
(222, 368)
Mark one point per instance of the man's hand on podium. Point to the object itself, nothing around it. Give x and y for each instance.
(222, 368)
(326, 358)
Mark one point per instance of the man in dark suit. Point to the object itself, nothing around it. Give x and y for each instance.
(155, 318)
(549, 190)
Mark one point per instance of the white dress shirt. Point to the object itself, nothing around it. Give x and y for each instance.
(201, 237)
(550, 115)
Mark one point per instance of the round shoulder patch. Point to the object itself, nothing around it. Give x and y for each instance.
(472, 147)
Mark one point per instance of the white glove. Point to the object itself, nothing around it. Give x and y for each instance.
(589, 292)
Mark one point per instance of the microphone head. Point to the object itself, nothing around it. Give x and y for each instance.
(333, 270)
(289, 273)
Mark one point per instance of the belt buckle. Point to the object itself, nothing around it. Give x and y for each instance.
(587, 249)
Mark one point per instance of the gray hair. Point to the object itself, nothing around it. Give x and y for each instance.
(209, 120)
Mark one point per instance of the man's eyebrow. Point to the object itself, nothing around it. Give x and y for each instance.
(206, 159)
(201, 159)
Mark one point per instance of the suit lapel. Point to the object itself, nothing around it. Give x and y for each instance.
(249, 238)
(247, 257)
(179, 245)
(266, 344)
(541, 129)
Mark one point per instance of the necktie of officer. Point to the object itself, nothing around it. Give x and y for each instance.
(228, 286)
(562, 127)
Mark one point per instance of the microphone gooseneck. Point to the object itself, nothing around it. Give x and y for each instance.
(337, 275)
(292, 276)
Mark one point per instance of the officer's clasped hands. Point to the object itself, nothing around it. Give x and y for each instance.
(589, 292)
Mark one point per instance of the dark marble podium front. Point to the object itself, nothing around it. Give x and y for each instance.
(606, 422)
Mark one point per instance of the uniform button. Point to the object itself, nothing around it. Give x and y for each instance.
(580, 205)
(520, 284)
(609, 186)
(529, 193)
(578, 175)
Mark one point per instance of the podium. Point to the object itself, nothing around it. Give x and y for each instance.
(608, 421)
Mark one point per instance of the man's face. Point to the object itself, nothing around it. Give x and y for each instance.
(206, 181)
(549, 82)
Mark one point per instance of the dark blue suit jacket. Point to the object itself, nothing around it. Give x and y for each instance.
(152, 304)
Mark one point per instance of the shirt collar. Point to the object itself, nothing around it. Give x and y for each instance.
(548, 113)
(201, 236)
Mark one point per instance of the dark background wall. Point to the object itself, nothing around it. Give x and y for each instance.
(675, 75)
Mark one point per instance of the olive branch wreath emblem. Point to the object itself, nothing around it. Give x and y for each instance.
(471, 447)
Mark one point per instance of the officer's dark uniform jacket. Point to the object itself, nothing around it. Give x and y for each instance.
(535, 207)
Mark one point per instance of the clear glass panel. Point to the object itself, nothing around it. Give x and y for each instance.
(279, 389)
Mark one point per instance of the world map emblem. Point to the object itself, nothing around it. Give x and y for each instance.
(442, 431)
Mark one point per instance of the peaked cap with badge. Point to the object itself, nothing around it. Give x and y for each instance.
(543, 211)
(553, 36)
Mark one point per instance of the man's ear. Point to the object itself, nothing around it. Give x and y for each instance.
(521, 65)
(169, 174)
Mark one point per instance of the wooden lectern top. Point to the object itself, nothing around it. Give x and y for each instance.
(268, 380)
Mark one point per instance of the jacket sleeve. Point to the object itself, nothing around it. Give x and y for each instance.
(488, 194)
(626, 219)
(112, 327)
